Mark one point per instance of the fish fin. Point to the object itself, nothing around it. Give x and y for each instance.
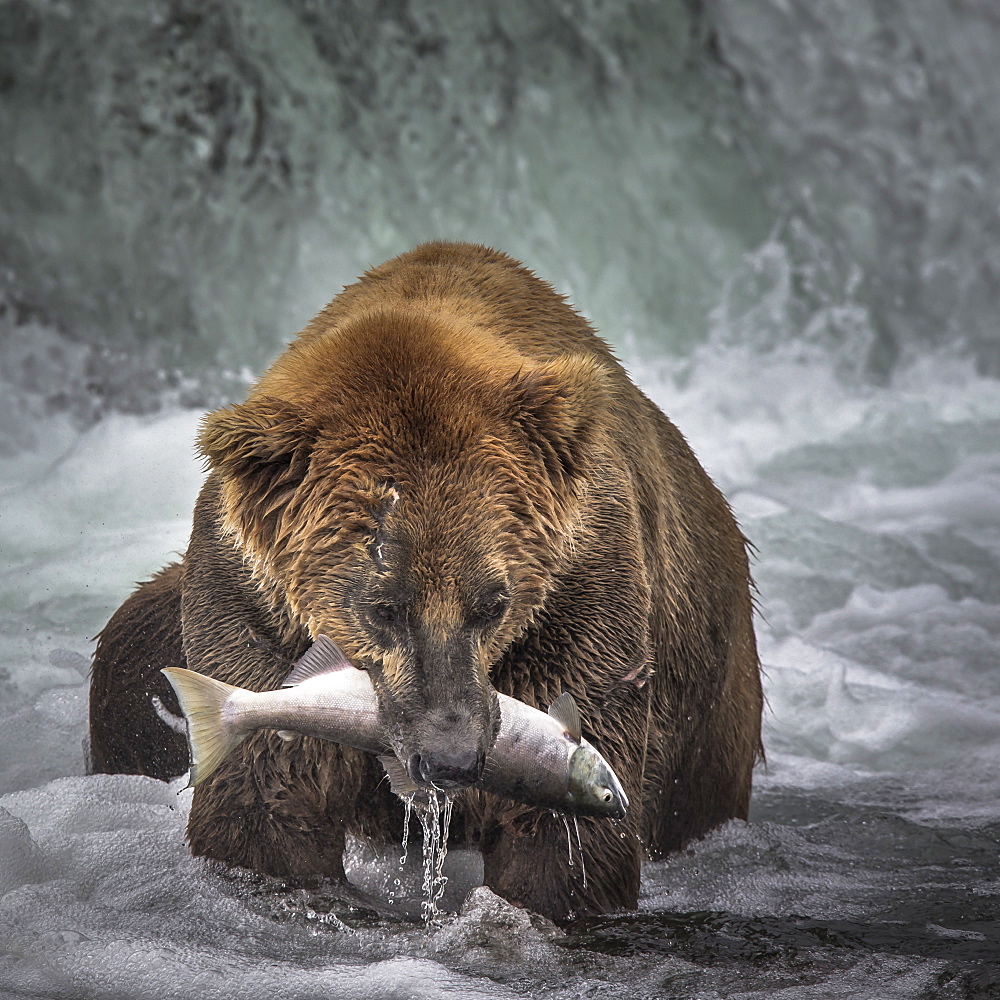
(399, 781)
(324, 656)
(202, 699)
(565, 712)
(288, 734)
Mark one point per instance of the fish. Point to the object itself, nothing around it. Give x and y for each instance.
(538, 758)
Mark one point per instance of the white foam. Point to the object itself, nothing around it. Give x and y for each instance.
(100, 896)
(82, 523)
(880, 640)
(119, 493)
(21, 861)
(41, 738)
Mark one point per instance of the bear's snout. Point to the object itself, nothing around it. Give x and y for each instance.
(447, 768)
(448, 747)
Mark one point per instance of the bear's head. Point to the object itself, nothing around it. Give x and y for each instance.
(411, 487)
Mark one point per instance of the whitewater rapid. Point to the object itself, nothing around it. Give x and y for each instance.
(873, 512)
(782, 214)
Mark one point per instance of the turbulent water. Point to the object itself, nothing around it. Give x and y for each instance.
(782, 213)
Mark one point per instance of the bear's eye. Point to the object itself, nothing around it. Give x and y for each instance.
(390, 614)
(493, 610)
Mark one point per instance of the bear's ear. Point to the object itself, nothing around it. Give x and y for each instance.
(261, 449)
(562, 406)
(264, 431)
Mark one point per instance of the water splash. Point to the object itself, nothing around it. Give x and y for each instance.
(329, 919)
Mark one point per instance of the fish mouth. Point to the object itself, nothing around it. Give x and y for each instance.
(594, 788)
(621, 807)
(621, 802)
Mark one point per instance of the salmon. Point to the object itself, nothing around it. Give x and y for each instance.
(538, 758)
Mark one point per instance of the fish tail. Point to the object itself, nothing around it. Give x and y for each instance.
(202, 699)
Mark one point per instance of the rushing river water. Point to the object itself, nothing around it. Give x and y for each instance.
(783, 214)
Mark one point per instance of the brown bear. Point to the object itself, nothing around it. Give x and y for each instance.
(449, 474)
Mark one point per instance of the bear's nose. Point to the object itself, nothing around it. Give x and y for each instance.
(454, 769)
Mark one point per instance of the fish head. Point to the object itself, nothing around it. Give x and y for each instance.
(594, 787)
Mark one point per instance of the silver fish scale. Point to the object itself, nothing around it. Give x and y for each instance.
(340, 707)
(529, 761)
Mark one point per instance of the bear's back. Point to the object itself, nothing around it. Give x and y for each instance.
(474, 285)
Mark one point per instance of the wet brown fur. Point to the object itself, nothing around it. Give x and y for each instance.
(452, 409)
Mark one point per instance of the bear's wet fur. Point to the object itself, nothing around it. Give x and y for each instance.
(450, 474)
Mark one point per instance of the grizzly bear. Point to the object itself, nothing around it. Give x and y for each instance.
(449, 474)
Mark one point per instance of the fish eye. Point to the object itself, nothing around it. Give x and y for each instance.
(608, 795)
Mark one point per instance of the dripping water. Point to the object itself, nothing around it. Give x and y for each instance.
(434, 811)
(397, 883)
(579, 847)
(569, 844)
(407, 813)
(436, 822)
(569, 839)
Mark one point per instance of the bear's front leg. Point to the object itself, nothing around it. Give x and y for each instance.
(284, 808)
(526, 860)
